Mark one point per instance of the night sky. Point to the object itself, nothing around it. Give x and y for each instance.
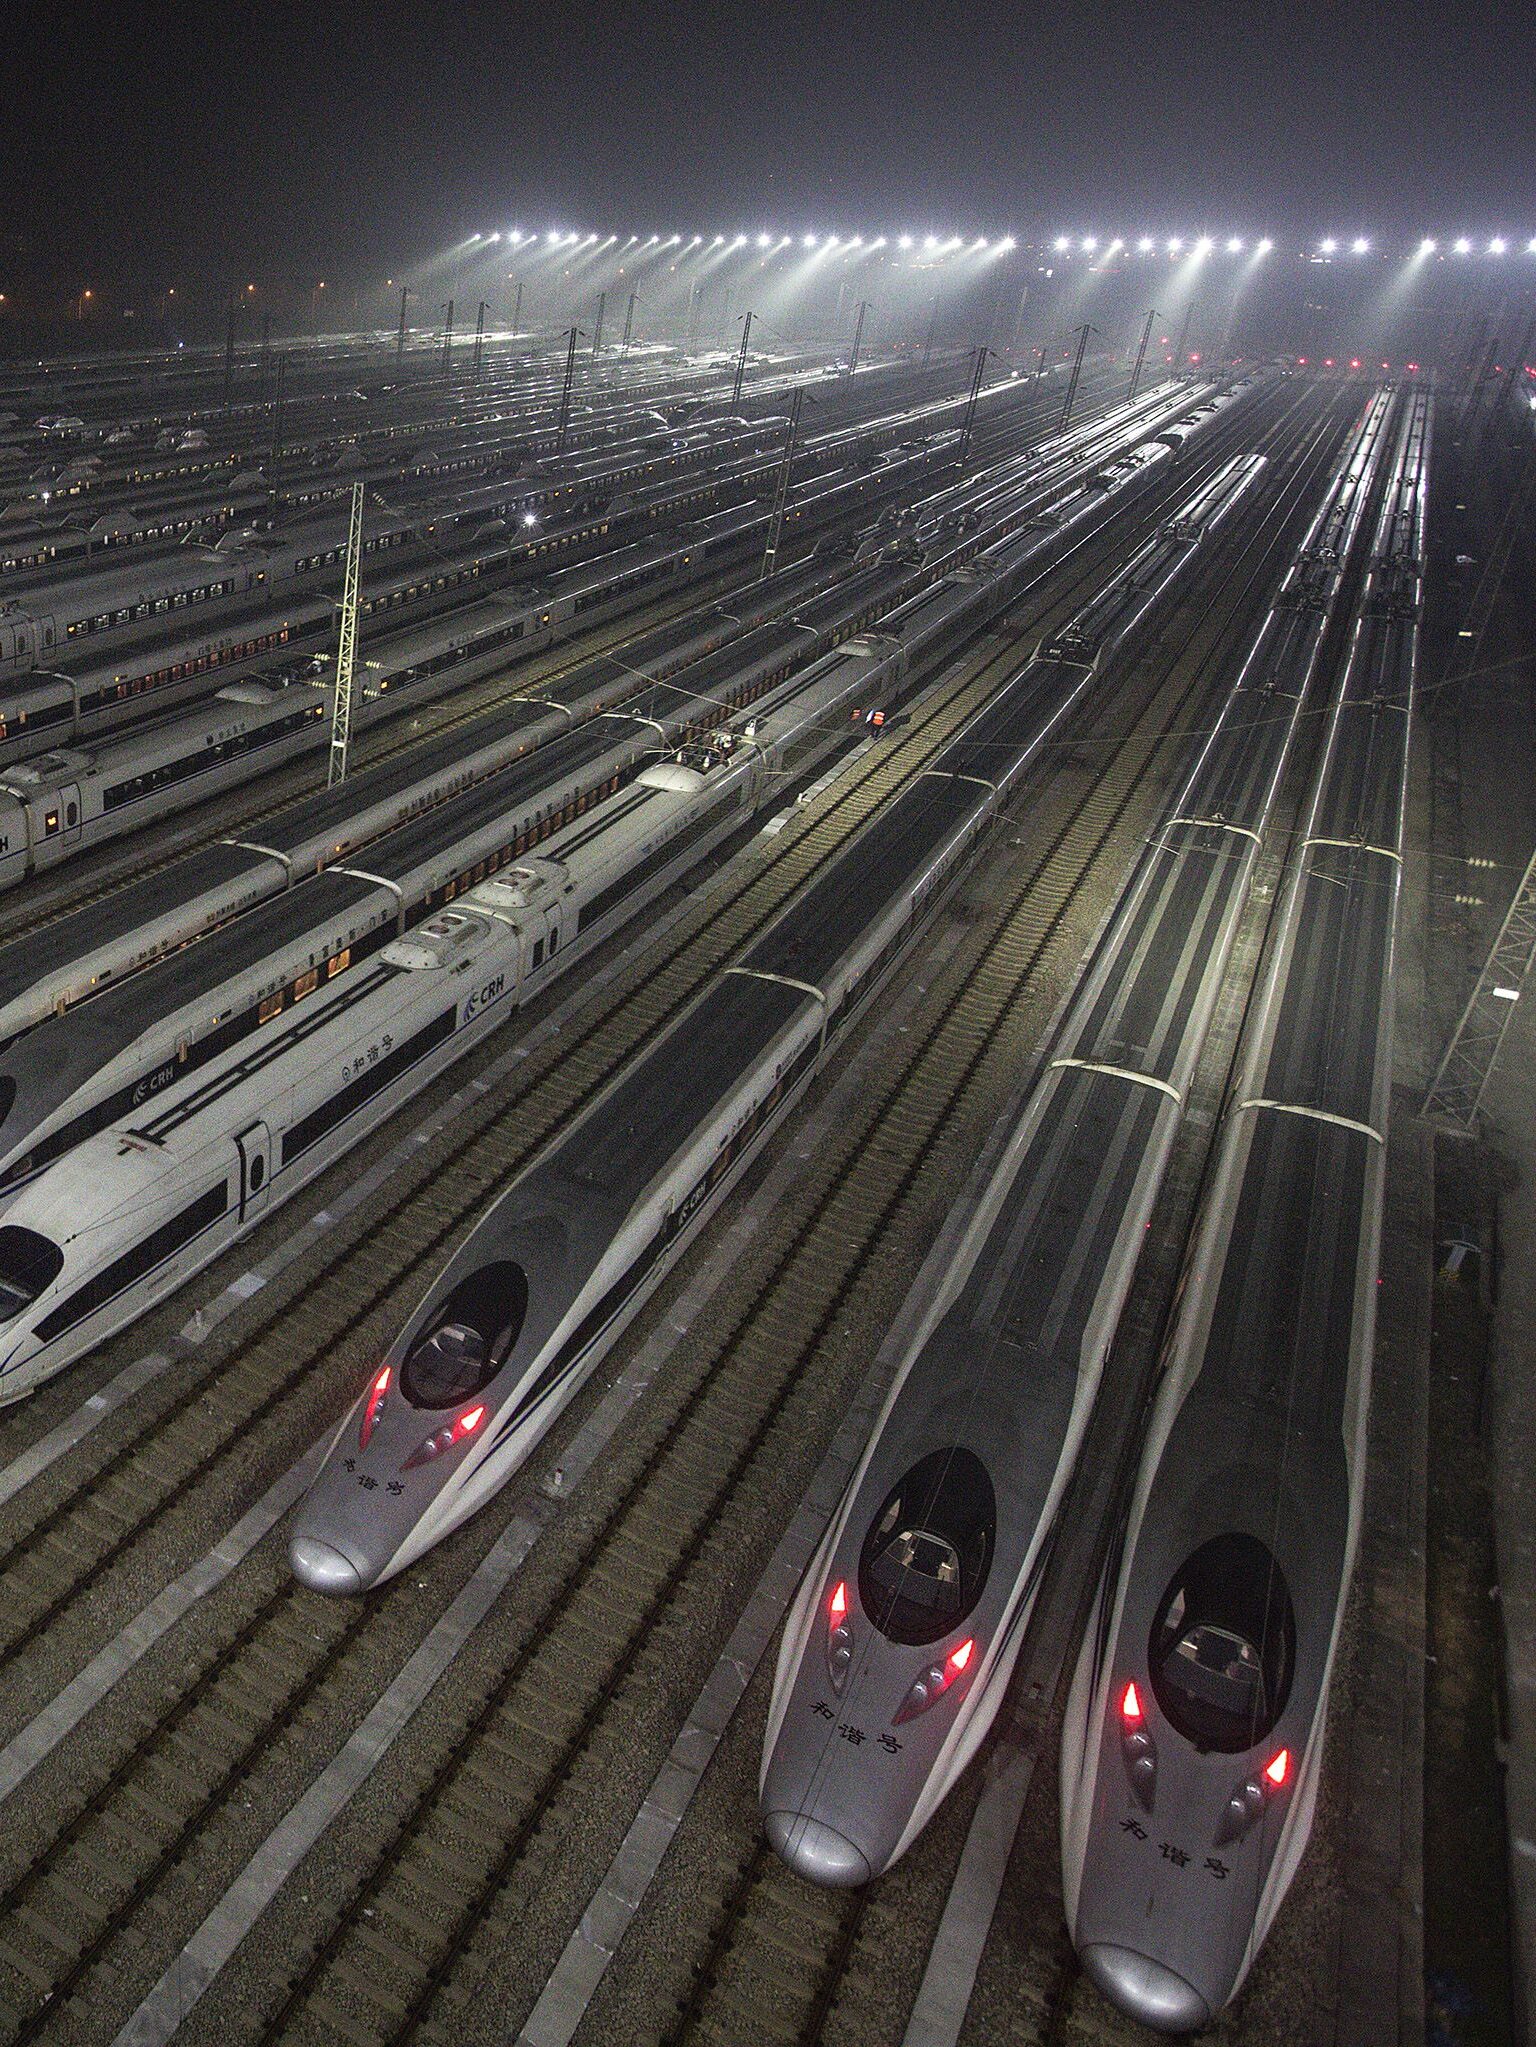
(143, 143)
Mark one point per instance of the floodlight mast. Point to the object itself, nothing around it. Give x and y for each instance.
(597, 326)
(346, 652)
(781, 492)
(1077, 370)
(858, 336)
(277, 420)
(970, 407)
(400, 337)
(629, 323)
(741, 363)
(575, 335)
(1141, 356)
(479, 340)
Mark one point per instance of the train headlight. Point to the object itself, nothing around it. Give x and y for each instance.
(376, 1393)
(935, 1681)
(445, 1438)
(1137, 1748)
(839, 1637)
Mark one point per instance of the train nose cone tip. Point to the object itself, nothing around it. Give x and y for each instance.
(816, 1851)
(1145, 1989)
(322, 1568)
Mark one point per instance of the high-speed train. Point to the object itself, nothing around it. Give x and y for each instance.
(99, 694)
(325, 1069)
(545, 1281)
(911, 1615)
(583, 1235)
(1193, 1744)
(697, 664)
(280, 1074)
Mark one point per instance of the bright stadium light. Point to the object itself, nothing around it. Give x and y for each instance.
(1175, 244)
(810, 241)
(765, 241)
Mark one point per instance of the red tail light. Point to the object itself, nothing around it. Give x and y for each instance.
(446, 1437)
(1130, 1703)
(935, 1681)
(839, 1636)
(376, 1395)
(1277, 1769)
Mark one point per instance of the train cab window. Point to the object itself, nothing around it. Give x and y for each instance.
(1223, 1646)
(926, 1557)
(28, 1263)
(468, 1338)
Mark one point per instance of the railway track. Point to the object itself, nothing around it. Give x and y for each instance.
(59, 893)
(690, 1455)
(770, 1933)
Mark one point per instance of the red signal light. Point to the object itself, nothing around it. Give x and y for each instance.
(1277, 1769)
(376, 1395)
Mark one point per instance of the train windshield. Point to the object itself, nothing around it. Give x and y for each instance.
(466, 1342)
(925, 1559)
(28, 1263)
(1224, 1645)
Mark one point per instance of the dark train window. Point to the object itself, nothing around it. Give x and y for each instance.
(28, 1263)
(1223, 1646)
(471, 1334)
(925, 1560)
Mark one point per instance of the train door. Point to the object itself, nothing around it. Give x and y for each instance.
(255, 1148)
(69, 798)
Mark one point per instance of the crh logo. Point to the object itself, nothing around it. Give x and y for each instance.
(483, 997)
(152, 1084)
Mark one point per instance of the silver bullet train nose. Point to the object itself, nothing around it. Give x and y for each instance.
(816, 1851)
(322, 1568)
(1145, 1989)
